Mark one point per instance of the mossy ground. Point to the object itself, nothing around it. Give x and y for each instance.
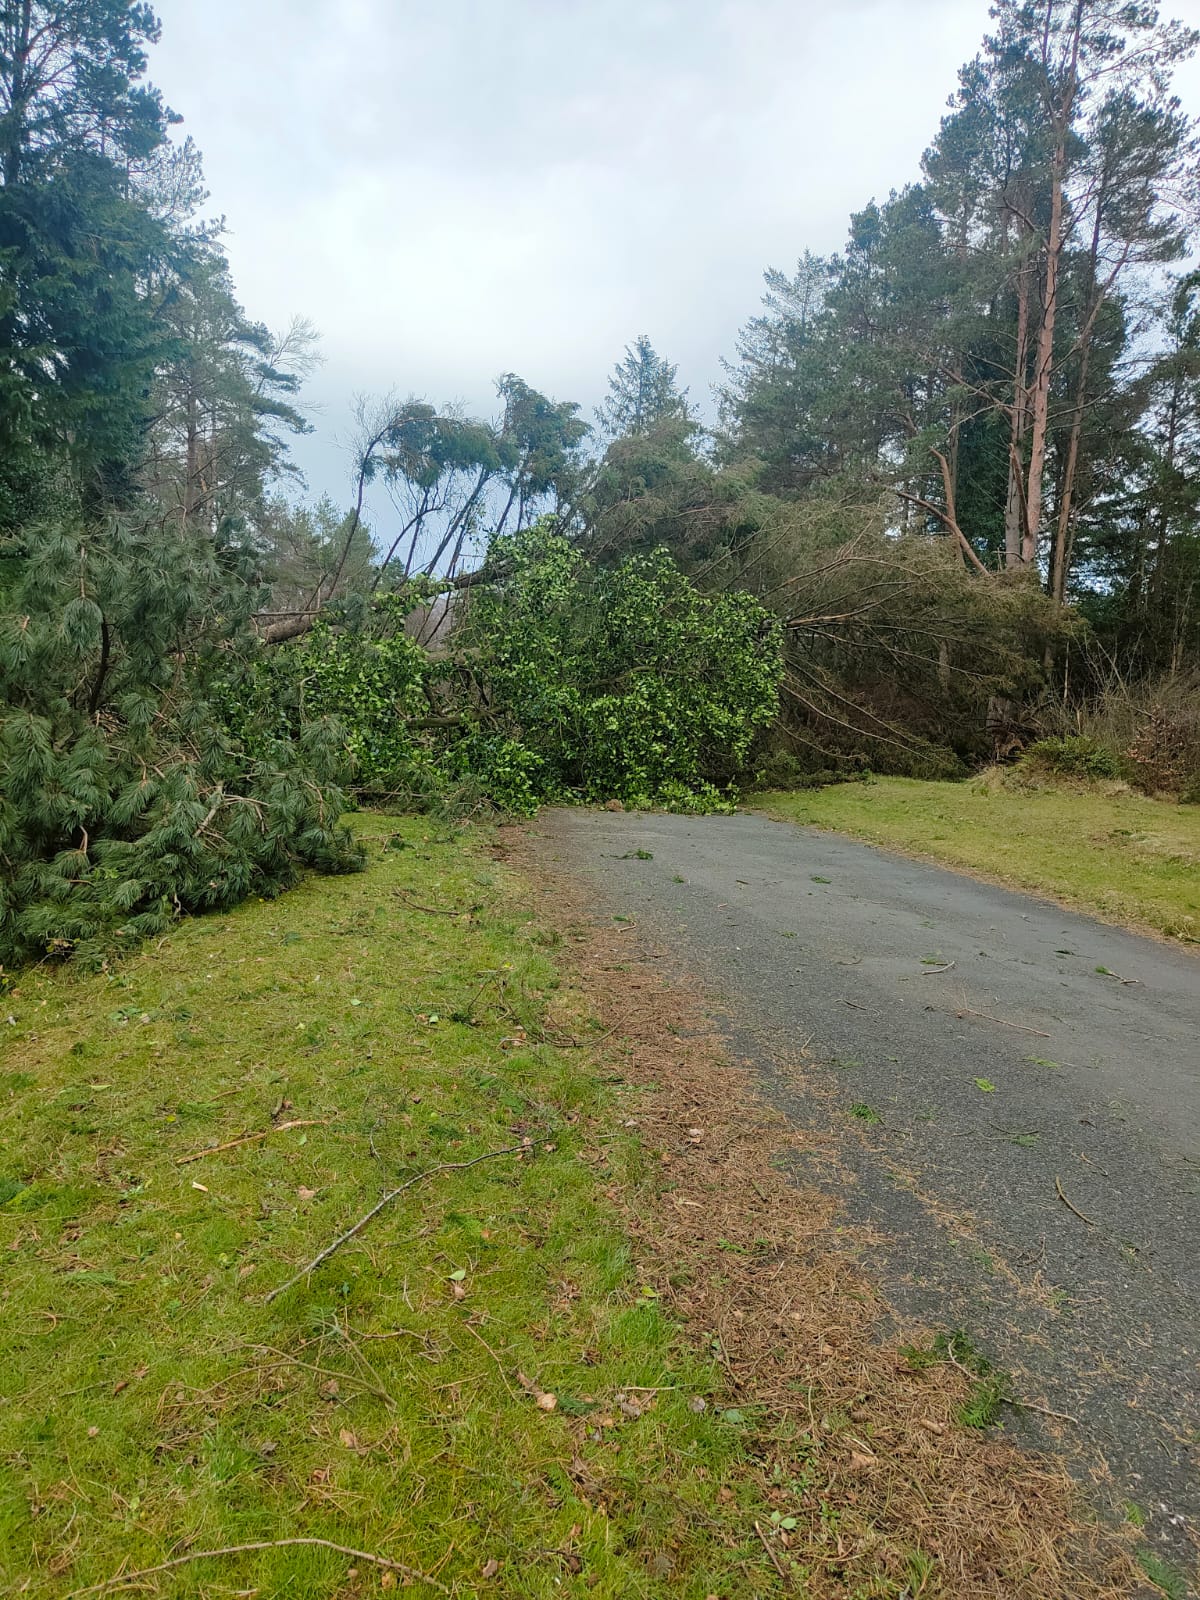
(152, 1402)
(1120, 856)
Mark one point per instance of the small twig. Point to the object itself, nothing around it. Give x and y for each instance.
(437, 911)
(775, 1561)
(325, 1372)
(1105, 972)
(260, 1544)
(466, 1013)
(1009, 1399)
(932, 972)
(381, 1205)
(469, 1326)
(1089, 1220)
(248, 1138)
(1004, 1022)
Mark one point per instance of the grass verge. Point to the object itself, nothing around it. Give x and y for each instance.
(1120, 856)
(153, 1404)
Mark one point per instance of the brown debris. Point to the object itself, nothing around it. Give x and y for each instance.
(773, 1286)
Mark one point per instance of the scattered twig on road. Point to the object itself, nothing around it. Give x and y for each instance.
(381, 1205)
(933, 972)
(1010, 1399)
(261, 1544)
(1061, 1195)
(1106, 972)
(1003, 1021)
(248, 1138)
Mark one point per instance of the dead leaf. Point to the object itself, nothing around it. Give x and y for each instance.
(349, 1439)
(930, 1425)
(388, 1581)
(306, 1194)
(200, 1186)
(546, 1402)
(859, 1462)
(490, 1568)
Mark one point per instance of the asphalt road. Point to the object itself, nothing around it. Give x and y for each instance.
(1034, 1175)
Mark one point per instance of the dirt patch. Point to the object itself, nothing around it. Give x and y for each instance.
(865, 1482)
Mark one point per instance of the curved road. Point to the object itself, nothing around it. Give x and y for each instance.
(1034, 1175)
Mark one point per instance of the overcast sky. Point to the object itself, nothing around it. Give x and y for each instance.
(455, 189)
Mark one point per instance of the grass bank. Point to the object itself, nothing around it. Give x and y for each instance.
(1119, 856)
(397, 1402)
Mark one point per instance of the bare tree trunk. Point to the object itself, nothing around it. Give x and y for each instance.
(18, 94)
(191, 470)
(1060, 105)
(1014, 504)
(1062, 541)
(1039, 400)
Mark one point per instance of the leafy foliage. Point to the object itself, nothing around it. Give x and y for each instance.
(619, 682)
(1073, 756)
(565, 680)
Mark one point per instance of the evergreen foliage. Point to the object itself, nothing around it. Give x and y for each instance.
(127, 578)
(124, 800)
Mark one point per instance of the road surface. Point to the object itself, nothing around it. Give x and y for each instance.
(1034, 1173)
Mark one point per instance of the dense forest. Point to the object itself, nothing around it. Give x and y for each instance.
(945, 509)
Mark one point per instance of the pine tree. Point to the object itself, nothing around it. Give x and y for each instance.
(124, 798)
(643, 393)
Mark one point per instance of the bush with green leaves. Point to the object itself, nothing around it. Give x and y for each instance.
(124, 797)
(564, 681)
(609, 682)
(359, 668)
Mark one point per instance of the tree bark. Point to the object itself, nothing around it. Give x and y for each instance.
(1014, 504)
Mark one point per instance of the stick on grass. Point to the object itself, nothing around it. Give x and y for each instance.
(247, 1138)
(259, 1544)
(382, 1205)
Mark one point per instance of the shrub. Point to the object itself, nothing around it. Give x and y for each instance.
(1165, 755)
(1073, 756)
(617, 682)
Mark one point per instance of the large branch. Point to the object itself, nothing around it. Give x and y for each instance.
(947, 517)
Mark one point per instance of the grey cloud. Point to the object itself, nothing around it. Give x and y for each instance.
(454, 190)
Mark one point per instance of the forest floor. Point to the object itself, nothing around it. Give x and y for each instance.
(1125, 858)
(1000, 1096)
(603, 1338)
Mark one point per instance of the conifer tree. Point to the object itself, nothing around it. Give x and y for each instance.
(643, 392)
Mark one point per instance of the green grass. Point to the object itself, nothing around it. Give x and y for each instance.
(152, 1402)
(1120, 856)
